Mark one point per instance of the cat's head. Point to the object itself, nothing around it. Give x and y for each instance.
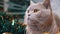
(38, 10)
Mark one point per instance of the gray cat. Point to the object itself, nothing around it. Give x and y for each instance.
(39, 19)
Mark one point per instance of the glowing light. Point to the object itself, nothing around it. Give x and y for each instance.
(58, 33)
(13, 22)
(46, 33)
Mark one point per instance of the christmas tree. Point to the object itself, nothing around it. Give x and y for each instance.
(10, 21)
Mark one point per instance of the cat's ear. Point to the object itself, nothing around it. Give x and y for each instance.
(31, 2)
(46, 3)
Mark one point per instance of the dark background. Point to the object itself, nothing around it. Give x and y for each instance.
(15, 11)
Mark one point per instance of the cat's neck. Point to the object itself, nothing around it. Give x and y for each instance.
(52, 27)
(47, 26)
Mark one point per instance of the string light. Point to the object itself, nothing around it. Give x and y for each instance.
(13, 21)
(46, 33)
(58, 33)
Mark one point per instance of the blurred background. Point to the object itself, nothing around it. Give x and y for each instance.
(12, 15)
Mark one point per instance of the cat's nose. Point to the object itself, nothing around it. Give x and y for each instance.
(29, 15)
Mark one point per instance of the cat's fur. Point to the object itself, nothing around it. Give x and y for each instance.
(41, 21)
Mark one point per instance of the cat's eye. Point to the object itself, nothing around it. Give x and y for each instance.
(35, 10)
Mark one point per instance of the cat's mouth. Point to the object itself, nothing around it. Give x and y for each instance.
(28, 18)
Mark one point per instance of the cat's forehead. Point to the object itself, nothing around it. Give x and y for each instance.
(36, 6)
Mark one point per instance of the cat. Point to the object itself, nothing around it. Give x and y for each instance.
(39, 18)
